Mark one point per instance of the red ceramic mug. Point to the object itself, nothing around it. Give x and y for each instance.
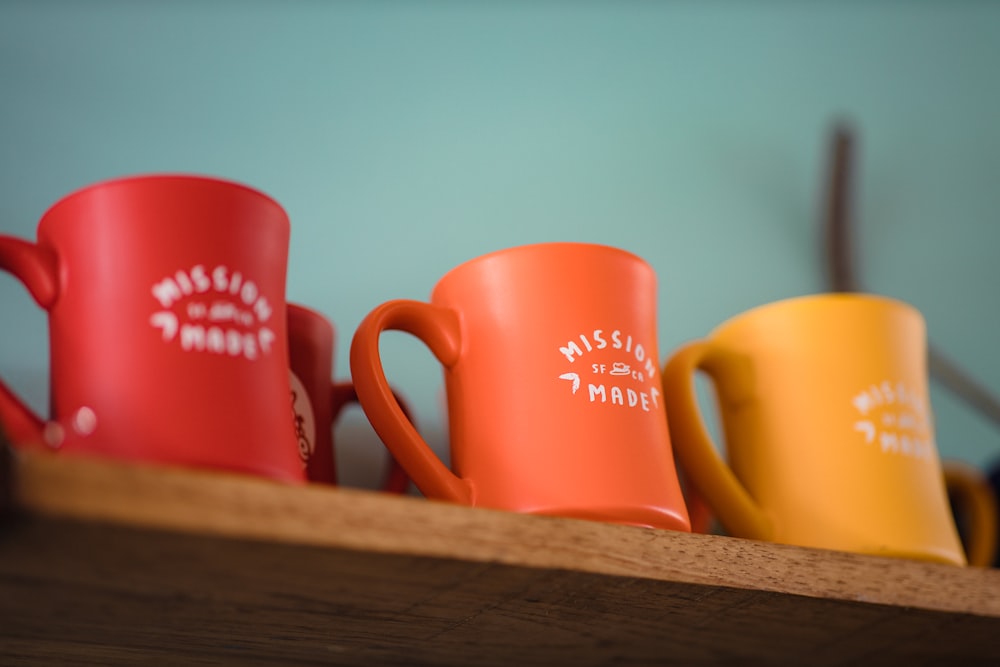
(318, 401)
(166, 311)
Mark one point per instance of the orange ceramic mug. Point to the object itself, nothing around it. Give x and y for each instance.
(826, 419)
(552, 384)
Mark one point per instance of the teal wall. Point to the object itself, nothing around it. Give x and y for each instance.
(406, 137)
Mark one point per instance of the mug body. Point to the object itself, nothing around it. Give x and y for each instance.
(555, 403)
(834, 439)
(168, 334)
(310, 342)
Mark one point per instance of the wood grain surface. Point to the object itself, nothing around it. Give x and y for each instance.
(105, 563)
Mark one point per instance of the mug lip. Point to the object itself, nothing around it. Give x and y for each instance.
(155, 176)
(309, 317)
(530, 247)
(814, 298)
(307, 311)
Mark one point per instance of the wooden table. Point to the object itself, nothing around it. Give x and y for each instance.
(103, 562)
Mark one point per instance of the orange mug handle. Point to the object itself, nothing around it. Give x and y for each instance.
(343, 394)
(974, 500)
(712, 479)
(438, 329)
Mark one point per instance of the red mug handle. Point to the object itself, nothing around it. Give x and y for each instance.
(37, 268)
(438, 328)
(343, 394)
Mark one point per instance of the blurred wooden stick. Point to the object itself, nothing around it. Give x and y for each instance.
(843, 277)
(840, 257)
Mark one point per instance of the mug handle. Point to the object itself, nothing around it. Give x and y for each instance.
(697, 455)
(343, 394)
(438, 328)
(974, 499)
(37, 268)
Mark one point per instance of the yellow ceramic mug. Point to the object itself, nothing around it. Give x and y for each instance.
(826, 418)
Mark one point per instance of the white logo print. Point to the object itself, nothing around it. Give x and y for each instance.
(226, 313)
(305, 420)
(619, 358)
(895, 419)
(574, 378)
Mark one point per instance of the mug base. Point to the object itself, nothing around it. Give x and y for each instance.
(640, 517)
(260, 471)
(928, 555)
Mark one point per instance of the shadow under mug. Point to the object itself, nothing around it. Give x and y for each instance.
(552, 385)
(165, 304)
(318, 401)
(826, 421)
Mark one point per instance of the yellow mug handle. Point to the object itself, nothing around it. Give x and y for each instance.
(697, 455)
(974, 501)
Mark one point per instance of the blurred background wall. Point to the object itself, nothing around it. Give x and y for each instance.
(406, 137)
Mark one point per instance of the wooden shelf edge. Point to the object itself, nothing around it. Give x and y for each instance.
(237, 506)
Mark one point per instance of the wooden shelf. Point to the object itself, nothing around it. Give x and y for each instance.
(105, 562)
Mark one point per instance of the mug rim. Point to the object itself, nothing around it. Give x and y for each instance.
(813, 298)
(448, 276)
(309, 316)
(65, 199)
